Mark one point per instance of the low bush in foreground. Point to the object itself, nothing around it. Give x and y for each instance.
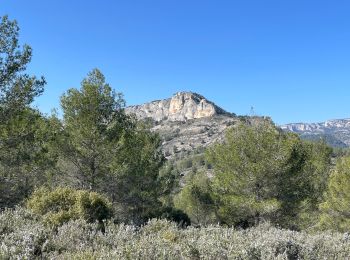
(23, 236)
(64, 204)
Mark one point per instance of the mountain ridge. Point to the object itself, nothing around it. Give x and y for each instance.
(336, 132)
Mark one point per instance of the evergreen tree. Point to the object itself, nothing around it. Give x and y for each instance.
(22, 129)
(94, 122)
(336, 207)
(261, 173)
(108, 151)
(316, 177)
(195, 199)
(17, 89)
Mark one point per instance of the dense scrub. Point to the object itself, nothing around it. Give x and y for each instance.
(23, 236)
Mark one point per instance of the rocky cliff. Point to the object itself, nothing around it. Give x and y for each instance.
(186, 122)
(182, 106)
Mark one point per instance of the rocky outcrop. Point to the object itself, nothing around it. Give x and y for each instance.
(182, 106)
(186, 122)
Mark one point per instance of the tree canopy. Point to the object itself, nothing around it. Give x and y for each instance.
(105, 150)
(336, 207)
(22, 129)
(262, 173)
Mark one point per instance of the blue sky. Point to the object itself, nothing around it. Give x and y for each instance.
(288, 59)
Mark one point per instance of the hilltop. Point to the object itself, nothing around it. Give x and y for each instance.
(186, 122)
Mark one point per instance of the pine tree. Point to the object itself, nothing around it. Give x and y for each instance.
(22, 128)
(94, 123)
(107, 151)
(262, 173)
(336, 208)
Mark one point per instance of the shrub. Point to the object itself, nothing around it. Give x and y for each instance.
(176, 215)
(22, 235)
(92, 206)
(63, 204)
(160, 239)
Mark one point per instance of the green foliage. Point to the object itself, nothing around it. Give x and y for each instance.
(24, 133)
(92, 206)
(93, 124)
(336, 208)
(17, 89)
(176, 215)
(262, 173)
(105, 150)
(64, 204)
(195, 199)
(136, 174)
(25, 158)
(317, 170)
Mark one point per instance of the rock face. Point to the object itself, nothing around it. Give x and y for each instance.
(186, 122)
(335, 132)
(182, 106)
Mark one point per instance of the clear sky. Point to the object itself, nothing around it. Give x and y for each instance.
(289, 59)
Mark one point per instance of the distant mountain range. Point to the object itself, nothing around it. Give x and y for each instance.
(335, 132)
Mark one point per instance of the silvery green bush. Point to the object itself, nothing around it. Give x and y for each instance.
(22, 236)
